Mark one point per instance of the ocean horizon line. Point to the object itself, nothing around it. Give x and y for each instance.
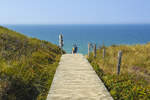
(82, 24)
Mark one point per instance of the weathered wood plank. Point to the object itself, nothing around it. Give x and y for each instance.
(75, 79)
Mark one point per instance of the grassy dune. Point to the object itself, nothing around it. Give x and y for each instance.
(27, 66)
(134, 81)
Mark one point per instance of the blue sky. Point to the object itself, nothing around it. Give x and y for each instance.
(75, 12)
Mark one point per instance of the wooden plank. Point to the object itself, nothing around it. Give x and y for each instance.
(75, 79)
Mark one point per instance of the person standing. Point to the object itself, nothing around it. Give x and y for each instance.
(74, 49)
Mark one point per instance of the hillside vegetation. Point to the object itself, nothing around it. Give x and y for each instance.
(27, 66)
(134, 81)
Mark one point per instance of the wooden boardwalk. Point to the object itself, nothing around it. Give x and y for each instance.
(75, 79)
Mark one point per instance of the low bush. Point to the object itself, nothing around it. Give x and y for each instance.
(27, 66)
(133, 82)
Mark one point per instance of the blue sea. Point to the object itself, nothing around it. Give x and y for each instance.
(83, 34)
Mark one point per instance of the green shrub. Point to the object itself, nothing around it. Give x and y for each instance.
(27, 66)
(133, 82)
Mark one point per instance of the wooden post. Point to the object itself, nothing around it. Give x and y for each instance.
(61, 42)
(104, 52)
(119, 62)
(89, 49)
(94, 50)
(99, 47)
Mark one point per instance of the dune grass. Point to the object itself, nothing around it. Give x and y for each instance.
(134, 81)
(27, 66)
